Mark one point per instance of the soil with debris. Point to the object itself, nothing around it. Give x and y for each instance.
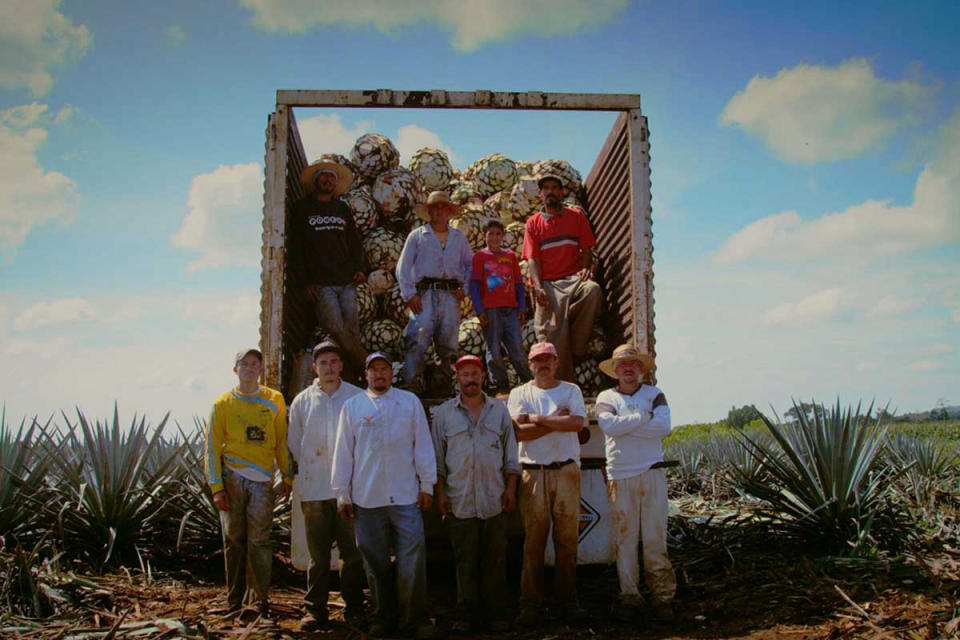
(735, 581)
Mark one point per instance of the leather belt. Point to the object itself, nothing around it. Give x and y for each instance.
(437, 283)
(552, 466)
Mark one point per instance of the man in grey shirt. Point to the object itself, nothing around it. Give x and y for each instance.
(477, 470)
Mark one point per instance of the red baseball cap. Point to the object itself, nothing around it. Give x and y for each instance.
(542, 349)
(468, 360)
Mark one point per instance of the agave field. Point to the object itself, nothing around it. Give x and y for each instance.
(834, 526)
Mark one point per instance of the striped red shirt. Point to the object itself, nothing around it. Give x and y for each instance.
(557, 241)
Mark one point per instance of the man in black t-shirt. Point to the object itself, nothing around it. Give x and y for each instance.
(329, 254)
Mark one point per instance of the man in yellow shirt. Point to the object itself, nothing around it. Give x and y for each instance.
(246, 442)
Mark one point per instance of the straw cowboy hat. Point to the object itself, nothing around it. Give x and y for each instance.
(435, 198)
(323, 165)
(626, 352)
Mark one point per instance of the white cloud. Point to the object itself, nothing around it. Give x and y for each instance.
(65, 114)
(34, 38)
(236, 310)
(23, 115)
(867, 367)
(473, 23)
(326, 133)
(51, 313)
(224, 218)
(941, 348)
(925, 365)
(29, 196)
(411, 138)
(891, 305)
(814, 113)
(872, 229)
(817, 307)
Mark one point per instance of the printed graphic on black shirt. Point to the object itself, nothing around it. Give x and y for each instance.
(327, 223)
(256, 434)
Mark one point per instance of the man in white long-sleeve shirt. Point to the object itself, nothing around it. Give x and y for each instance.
(634, 418)
(384, 469)
(311, 435)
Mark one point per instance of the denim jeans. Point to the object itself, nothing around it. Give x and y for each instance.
(503, 325)
(323, 527)
(246, 536)
(399, 527)
(439, 320)
(336, 309)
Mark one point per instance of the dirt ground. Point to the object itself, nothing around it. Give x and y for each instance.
(758, 590)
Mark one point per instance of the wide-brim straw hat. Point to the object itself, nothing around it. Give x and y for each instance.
(626, 352)
(309, 174)
(422, 211)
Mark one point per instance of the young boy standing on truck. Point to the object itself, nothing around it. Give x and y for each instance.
(246, 441)
(496, 288)
(329, 254)
(556, 244)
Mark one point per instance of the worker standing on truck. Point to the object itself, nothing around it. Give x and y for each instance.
(384, 469)
(496, 289)
(477, 471)
(635, 418)
(548, 414)
(329, 253)
(246, 441)
(556, 244)
(311, 436)
(432, 272)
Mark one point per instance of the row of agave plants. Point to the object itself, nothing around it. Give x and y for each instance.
(103, 494)
(836, 481)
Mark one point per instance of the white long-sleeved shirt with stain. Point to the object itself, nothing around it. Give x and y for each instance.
(634, 426)
(384, 454)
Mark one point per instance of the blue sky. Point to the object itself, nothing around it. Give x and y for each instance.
(805, 169)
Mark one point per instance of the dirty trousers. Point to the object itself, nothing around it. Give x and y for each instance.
(480, 554)
(545, 495)
(568, 319)
(246, 536)
(638, 509)
(323, 527)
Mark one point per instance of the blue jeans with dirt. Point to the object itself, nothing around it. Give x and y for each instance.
(246, 536)
(438, 321)
(400, 528)
(336, 309)
(503, 327)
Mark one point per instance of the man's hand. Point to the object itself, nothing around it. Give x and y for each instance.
(285, 491)
(459, 294)
(443, 503)
(541, 295)
(415, 304)
(585, 274)
(424, 500)
(311, 292)
(509, 499)
(221, 500)
(522, 418)
(359, 277)
(345, 510)
(482, 317)
(521, 317)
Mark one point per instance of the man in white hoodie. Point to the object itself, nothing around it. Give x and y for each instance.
(635, 418)
(311, 437)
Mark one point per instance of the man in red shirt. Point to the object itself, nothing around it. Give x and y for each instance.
(556, 245)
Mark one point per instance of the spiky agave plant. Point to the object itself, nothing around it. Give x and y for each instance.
(24, 469)
(114, 488)
(825, 481)
(197, 520)
(925, 464)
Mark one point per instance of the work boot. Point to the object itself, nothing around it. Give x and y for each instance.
(663, 611)
(313, 622)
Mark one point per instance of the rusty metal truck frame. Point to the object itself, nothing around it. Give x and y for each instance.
(617, 193)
